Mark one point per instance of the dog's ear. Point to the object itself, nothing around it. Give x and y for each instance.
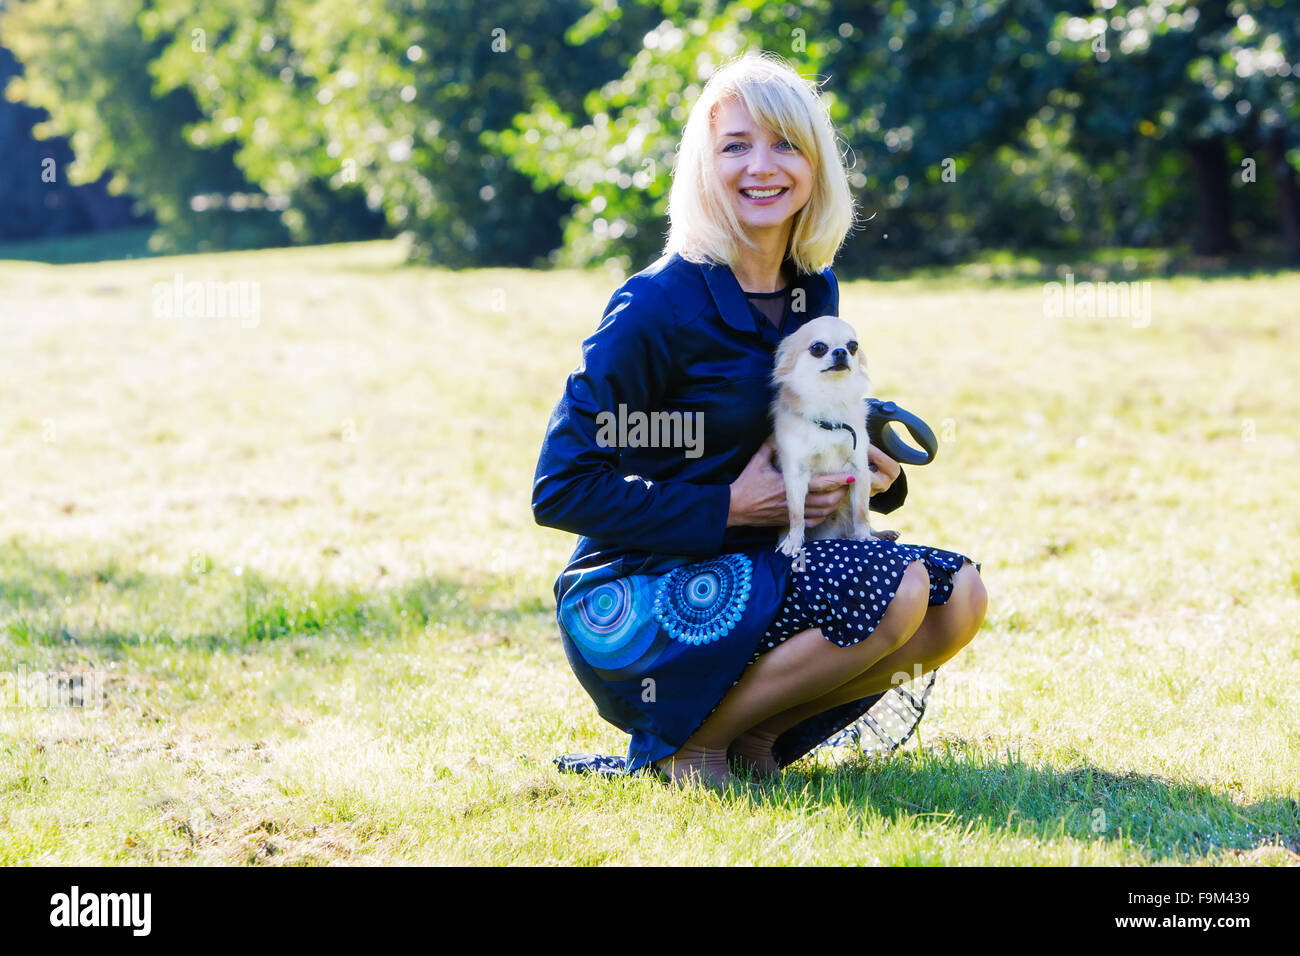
(787, 354)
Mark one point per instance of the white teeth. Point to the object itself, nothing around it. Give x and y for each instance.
(762, 193)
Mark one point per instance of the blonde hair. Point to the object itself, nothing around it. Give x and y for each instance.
(703, 224)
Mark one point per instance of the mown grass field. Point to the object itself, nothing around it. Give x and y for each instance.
(302, 556)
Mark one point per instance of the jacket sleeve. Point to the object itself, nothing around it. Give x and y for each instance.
(579, 486)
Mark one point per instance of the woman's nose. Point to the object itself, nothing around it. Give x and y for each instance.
(760, 160)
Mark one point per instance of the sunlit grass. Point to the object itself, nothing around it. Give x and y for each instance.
(302, 556)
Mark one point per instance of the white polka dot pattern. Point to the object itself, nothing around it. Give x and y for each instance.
(845, 588)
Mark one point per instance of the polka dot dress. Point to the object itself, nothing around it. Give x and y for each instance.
(844, 587)
(663, 645)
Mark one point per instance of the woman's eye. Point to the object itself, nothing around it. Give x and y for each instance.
(786, 142)
(818, 349)
(727, 148)
(853, 348)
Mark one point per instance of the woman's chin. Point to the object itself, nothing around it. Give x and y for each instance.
(760, 224)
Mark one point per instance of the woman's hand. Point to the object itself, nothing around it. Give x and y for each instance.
(758, 493)
(884, 470)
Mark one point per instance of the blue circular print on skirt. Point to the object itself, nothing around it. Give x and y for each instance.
(698, 603)
(608, 623)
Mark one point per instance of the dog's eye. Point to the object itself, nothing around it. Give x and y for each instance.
(853, 347)
(818, 349)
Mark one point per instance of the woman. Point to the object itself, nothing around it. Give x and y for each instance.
(678, 616)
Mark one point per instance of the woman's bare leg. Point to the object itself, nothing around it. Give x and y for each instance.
(805, 667)
(945, 630)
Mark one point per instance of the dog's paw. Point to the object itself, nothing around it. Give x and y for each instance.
(885, 535)
(790, 545)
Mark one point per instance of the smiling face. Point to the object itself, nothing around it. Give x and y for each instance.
(764, 176)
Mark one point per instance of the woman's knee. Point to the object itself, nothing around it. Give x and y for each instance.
(908, 605)
(965, 612)
(914, 588)
(973, 599)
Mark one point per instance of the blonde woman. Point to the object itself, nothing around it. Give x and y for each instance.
(687, 627)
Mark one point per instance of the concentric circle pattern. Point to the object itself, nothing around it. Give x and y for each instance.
(701, 602)
(607, 622)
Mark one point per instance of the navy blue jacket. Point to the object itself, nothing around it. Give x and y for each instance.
(677, 337)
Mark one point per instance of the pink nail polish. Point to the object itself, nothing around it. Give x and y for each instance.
(852, 479)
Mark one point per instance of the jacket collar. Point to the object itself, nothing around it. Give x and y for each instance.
(734, 307)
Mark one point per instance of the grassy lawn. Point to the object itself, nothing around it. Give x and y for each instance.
(299, 559)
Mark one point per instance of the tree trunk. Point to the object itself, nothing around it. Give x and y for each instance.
(1288, 196)
(1210, 160)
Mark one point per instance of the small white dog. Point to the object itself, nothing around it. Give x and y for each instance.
(819, 421)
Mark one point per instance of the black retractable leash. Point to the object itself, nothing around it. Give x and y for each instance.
(880, 414)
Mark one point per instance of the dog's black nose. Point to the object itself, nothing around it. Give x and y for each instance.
(841, 356)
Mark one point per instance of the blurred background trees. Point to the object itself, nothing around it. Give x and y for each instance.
(58, 208)
(544, 132)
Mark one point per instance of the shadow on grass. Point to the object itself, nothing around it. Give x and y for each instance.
(211, 609)
(130, 243)
(959, 787)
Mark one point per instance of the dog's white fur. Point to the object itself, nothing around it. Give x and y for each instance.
(810, 387)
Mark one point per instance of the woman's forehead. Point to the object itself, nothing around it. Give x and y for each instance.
(733, 119)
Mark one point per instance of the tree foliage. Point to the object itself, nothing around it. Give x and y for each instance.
(499, 134)
(966, 123)
(85, 63)
(388, 100)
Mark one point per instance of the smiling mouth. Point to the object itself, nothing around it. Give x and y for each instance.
(764, 193)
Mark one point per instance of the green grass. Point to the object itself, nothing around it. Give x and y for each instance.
(302, 555)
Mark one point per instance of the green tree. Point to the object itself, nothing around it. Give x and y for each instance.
(1211, 82)
(392, 100)
(914, 88)
(85, 62)
(970, 122)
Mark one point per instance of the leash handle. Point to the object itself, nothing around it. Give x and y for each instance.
(880, 414)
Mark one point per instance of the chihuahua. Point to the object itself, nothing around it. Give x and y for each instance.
(819, 426)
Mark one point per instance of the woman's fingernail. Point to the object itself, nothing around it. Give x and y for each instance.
(852, 479)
